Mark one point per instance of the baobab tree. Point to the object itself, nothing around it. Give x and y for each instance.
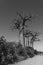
(34, 38)
(28, 34)
(23, 24)
(20, 24)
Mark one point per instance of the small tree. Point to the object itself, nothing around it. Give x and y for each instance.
(28, 34)
(34, 38)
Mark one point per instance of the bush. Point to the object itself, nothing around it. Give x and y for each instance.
(15, 58)
(35, 52)
(30, 51)
(20, 50)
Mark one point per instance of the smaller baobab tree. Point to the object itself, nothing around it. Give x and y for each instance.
(34, 38)
(28, 34)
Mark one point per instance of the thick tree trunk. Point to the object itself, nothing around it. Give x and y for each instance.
(23, 39)
(19, 38)
(28, 41)
(32, 44)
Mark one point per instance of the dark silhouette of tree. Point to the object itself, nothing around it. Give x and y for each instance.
(34, 37)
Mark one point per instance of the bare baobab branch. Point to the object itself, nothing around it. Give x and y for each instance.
(20, 15)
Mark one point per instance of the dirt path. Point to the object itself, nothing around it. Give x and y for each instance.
(37, 60)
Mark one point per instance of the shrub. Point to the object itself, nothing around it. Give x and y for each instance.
(35, 52)
(30, 51)
(20, 50)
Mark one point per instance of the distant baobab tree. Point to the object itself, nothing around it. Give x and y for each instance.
(20, 24)
(28, 34)
(34, 38)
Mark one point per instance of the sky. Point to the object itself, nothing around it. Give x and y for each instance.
(8, 9)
